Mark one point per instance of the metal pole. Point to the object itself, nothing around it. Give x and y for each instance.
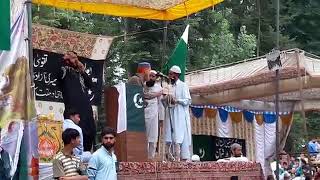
(277, 91)
(302, 109)
(277, 23)
(277, 124)
(165, 38)
(29, 39)
(259, 27)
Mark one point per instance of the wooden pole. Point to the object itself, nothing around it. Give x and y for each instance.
(302, 107)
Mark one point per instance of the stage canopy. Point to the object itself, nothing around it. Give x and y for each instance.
(251, 85)
(144, 9)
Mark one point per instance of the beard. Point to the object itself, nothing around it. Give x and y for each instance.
(150, 83)
(237, 155)
(173, 81)
(108, 146)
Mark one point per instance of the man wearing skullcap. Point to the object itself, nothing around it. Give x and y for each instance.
(177, 125)
(236, 154)
(142, 74)
(152, 93)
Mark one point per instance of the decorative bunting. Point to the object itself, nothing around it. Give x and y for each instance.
(249, 116)
(223, 115)
(197, 112)
(269, 118)
(259, 119)
(236, 117)
(210, 113)
(286, 119)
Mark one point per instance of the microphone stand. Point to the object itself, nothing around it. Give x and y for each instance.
(169, 106)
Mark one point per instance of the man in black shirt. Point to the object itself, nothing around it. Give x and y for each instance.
(75, 83)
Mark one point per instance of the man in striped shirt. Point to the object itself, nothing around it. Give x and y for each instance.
(66, 166)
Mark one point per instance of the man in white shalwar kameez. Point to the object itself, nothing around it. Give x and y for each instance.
(152, 93)
(177, 123)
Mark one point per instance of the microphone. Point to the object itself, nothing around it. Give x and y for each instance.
(160, 74)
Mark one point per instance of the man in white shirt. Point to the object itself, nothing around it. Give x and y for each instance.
(236, 154)
(152, 95)
(72, 119)
(177, 126)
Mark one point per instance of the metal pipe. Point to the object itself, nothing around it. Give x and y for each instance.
(29, 39)
(277, 123)
(277, 89)
(278, 24)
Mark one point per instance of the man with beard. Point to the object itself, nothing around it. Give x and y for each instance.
(177, 128)
(75, 83)
(152, 94)
(102, 164)
(236, 154)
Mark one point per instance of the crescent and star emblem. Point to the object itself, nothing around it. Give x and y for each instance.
(138, 101)
(202, 153)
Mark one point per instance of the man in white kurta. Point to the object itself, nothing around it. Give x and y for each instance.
(177, 124)
(153, 92)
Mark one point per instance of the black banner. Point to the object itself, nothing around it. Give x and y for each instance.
(212, 148)
(47, 65)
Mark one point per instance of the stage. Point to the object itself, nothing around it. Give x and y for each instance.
(178, 170)
(192, 170)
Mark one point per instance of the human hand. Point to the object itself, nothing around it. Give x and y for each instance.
(81, 67)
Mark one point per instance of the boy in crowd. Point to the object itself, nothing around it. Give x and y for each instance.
(66, 166)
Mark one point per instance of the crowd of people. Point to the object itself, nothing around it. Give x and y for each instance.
(296, 168)
(302, 167)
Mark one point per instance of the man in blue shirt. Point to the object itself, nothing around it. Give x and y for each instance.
(102, 164)
(312, 148)
(72, 119)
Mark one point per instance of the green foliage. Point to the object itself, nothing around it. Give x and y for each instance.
(297, 137)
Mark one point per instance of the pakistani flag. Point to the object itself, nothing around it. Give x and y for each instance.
(179, 55)
(130, 108)
(135, 108)
(5, 25)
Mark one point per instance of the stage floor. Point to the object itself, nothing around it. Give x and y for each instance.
(193, 170)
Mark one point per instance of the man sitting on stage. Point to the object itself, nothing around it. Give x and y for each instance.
(177, 125)
(75, 83)
(72, 119)
(236, 154)
(152, 93)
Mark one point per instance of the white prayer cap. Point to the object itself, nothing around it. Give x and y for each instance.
(153, 72)
(175, 69)
(195, 158)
